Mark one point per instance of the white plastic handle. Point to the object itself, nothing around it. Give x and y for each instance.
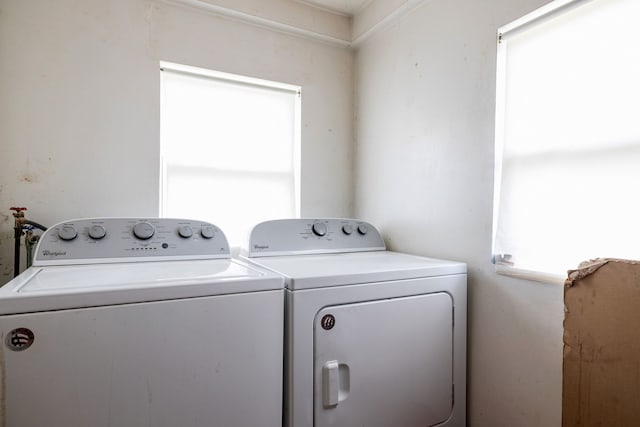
(331, 383)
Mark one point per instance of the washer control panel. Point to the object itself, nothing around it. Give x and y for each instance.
(129, 239)
(313, 236)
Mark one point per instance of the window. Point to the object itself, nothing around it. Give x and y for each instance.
(568, 137)
(230, 149)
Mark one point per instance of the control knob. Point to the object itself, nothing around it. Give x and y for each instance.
(319, 229)
(207, 231)
(347, 229)
(363, 229)
(185, 231)
(97, 232)
(67, 232)
(144, 230)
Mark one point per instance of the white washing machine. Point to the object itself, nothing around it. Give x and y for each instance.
(140, 322)
(373, 337)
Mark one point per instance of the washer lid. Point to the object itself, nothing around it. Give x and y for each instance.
(318, 271)
(59, 287)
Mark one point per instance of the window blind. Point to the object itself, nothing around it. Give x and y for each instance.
(568, 136)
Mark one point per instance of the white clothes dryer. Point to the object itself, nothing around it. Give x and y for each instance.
(134, 322)
(373, 337)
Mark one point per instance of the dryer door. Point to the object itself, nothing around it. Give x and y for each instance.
(384, 363)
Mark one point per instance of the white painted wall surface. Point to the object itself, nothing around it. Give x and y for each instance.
(424, 173)
(79, 105)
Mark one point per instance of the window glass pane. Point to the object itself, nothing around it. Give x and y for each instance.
(571, 135)
(229, 152)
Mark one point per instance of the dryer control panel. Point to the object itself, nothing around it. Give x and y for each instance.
(313, 236)
(105, 240)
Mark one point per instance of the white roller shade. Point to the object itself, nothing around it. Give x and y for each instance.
(229, 148)
(568, 136)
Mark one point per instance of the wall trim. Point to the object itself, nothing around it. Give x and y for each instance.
(387, 21)
(260, 22)
(270, 24)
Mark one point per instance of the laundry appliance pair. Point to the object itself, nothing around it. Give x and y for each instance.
(137, 321)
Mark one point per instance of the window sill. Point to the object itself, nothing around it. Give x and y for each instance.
(536, 276)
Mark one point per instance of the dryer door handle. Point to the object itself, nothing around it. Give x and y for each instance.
(335, 383)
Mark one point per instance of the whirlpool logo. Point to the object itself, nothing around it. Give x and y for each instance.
(260, 247)
(328, 321)
(47, 252)
(20, 339)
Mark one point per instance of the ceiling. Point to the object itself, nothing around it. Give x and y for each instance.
(347, 7)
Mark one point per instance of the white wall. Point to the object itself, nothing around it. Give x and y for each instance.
(424, 173)
(79, 104)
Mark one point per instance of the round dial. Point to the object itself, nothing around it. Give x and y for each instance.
(207, 231)
(363, 229)
(97, 232)
(143, 230)
(319, 229)
(185, 231)
(347, 229)
(67, 232)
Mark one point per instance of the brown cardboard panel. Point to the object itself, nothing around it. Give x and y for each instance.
(601, 366)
